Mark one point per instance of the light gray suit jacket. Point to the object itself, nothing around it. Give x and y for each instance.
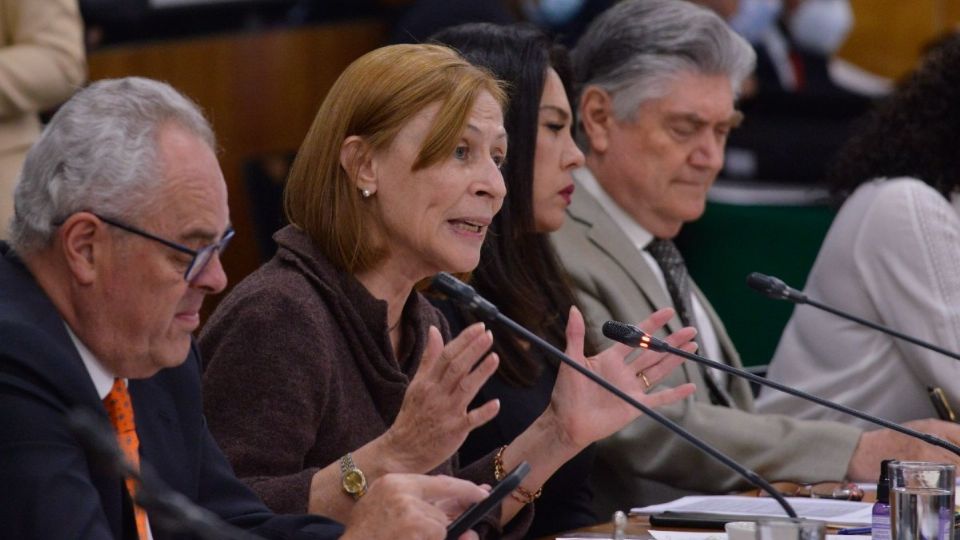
(644, 463)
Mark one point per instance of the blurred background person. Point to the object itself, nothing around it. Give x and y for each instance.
(42, 63)
(797, 115)
(564, 19)
(518, 269)
(327, 361)
(891, 257)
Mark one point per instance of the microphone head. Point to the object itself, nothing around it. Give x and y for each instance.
(774, 288)
(632, 336)
(464, 295)
(452, 287)
(766, 285)
(622, 333)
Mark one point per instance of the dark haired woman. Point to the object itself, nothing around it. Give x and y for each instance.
(518, 270)
(891, 256)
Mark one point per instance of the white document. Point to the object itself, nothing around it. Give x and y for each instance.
(678, 535)
(845, 513)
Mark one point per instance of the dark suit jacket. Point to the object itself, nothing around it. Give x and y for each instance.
(51, 488)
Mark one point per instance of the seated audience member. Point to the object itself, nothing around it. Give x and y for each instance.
(658, 80)
(891, 257)
(41, 64)
(121, 213)
(518, 269)
(327, 360)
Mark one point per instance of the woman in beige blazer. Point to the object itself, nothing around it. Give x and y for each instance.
(42, 63)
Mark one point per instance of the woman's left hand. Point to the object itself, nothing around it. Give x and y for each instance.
(584, 411)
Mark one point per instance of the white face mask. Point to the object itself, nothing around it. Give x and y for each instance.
(821, 26)
(754, 18)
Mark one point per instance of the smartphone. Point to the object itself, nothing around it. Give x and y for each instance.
(477, 510)
(694, 520)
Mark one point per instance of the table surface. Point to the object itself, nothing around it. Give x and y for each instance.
(637, 527)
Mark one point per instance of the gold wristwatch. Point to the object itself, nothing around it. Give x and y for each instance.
(351, 478)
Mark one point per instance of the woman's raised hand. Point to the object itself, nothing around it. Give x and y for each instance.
(434, 418)
(584, 411)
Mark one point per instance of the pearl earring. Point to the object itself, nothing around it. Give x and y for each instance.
(365, 193)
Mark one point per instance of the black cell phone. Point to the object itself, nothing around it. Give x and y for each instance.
(694, 520)
(477, 510)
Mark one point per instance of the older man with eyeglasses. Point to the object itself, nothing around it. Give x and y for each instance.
(120, 216)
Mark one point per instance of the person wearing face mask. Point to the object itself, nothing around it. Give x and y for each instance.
(565, 19)
(799, 42)
(799, 116)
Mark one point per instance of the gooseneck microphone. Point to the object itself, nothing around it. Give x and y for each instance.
(778, 290)
(629, 334)
(467, 297)
(167, 509)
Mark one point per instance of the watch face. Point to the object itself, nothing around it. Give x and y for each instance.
(353, 481)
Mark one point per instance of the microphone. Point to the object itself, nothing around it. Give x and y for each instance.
(166, 508)
(629, 334)
(778, 290)
(466, 296)
(775, 288)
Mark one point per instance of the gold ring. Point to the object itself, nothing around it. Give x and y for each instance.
(646, 382)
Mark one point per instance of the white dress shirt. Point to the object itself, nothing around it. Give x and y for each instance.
(892, 256)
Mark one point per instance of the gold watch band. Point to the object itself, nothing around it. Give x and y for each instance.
(352, 480)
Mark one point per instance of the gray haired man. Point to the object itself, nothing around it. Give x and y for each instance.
(657, 81)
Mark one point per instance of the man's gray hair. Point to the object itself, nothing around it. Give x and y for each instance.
(634, 49)
(99, 154)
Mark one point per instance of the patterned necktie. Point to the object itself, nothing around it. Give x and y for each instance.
(120, 411)
(670, 260)
(675, 274)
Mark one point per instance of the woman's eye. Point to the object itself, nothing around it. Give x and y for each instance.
(556, 128)
(461, 152)
(499, 161)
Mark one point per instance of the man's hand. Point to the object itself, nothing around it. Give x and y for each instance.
(875, 446)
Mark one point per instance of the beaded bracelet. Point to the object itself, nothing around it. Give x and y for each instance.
(521, 494)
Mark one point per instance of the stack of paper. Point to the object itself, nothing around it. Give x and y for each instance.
(842, 513)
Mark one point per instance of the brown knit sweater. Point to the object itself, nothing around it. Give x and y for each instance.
(300, 371)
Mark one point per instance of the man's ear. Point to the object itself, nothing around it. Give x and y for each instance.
(356, 157)
(82, 240)
(596, 118)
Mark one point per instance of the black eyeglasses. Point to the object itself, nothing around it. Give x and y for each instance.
(200, 257)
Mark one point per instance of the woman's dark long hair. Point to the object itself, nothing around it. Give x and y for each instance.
(914, 132)
(519, 270)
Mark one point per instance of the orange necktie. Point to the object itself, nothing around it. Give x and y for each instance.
(120, 410)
